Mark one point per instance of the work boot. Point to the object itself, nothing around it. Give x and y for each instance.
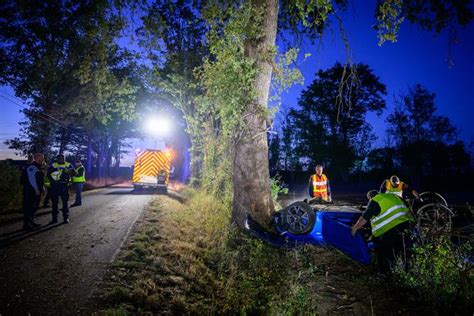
(53, 221)
(34, 225)
(27, 227)
(66, 220)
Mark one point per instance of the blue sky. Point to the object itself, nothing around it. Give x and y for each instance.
(417, 57)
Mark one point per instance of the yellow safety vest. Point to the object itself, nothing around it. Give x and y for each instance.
(398, 190)
(80, 179)
(59, 169)
(320, 186)
(393, 212)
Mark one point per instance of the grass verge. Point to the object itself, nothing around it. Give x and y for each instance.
(187, 259)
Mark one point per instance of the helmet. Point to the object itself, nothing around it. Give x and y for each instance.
(394, 179)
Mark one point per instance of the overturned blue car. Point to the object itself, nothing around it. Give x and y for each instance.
(307, 222)
(324, 225)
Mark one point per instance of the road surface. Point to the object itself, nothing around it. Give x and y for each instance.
(54, 269)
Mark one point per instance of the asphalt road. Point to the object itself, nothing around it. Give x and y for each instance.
(54, 270)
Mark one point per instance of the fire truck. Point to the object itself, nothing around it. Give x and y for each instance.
(152, 169)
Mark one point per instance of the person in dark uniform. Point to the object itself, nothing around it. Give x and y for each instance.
(390, 220)
(59, 175)
(32, 179)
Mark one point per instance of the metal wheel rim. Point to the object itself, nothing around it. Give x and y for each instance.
(297, 218)
(435, 218)
(438, 196)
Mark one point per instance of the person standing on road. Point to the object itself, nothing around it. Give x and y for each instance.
(390, 219)
(319, 185)
(59, 174)
(33, 177)
(397, 187)
(78, 180)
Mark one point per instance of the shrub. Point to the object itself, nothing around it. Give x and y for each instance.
(437, 272)
(278, 187)
(10, 186)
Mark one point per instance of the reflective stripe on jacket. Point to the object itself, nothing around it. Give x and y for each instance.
(59, 169)
(393, 212)
(320, 186)
(79, 179)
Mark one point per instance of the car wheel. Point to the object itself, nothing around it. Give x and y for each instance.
(434, 219)
(432, 198)
(299, 218)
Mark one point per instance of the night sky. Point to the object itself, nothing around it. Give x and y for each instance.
(417, 57)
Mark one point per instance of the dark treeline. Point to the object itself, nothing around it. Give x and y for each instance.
(80, 86)
(421, 146)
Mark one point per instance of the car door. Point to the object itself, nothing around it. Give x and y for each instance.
(336, 231)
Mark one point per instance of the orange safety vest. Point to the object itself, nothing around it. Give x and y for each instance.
(320, 186)
(394, 190)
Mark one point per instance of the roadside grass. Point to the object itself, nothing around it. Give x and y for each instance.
(187, 259)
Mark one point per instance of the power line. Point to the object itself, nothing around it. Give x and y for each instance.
(27, 108)
(43, 116)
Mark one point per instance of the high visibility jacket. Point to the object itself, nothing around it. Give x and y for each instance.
(320, 186)
(398, 190)
(60, 172)
(393, 212)
(79, 179)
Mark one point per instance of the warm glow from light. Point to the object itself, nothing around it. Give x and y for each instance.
(169, 153)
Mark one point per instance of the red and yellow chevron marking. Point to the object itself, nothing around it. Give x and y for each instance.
(148, 163)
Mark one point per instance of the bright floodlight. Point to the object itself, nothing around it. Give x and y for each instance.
(157, 126)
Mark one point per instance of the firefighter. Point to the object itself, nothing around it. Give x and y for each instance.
(59, 174)
(390, 220)
(319, 185)
(33, 177)
(78, 180)
(397, 187)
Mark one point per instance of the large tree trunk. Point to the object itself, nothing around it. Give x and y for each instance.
(89, 156)
(251, 177)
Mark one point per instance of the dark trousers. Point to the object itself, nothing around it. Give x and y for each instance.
(392, 245)
(78, 186)
(30, 202)
(59, 190)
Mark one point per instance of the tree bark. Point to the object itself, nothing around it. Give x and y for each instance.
(251, 177)
(89, 156)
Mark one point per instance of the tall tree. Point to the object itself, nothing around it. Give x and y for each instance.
(236, 77)
(62, 58)
(420, 135)
(325, 135)
(39, 54)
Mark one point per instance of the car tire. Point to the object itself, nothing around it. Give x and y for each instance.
(432, 197)
(299, 218)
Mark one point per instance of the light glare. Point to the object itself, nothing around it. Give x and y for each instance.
(157, 126)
